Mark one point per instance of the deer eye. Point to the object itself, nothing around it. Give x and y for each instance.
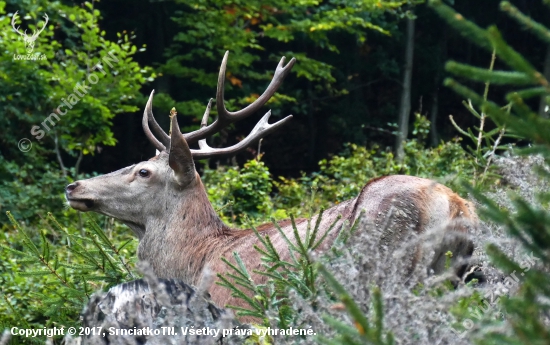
(143, 173)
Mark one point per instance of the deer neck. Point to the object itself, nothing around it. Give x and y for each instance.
(180, 240)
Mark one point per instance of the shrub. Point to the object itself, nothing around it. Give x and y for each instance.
(49, 272)
(526, 313)
(243, 194)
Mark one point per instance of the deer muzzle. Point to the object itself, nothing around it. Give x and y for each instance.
(76, 201)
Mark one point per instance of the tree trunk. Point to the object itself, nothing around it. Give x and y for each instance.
(440, 59)
(405, 104)
(312, 126)
(543, 112)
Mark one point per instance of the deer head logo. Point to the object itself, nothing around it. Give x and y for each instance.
(29, 40)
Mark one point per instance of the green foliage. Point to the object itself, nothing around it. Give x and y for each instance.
(240, 25)
(49, 273)
(298, 273)
(32, 95)
(71, 62)
(486, 142)
(528, 221)
(365, 331)
(21, 185)
(241, 194)
(258, 31)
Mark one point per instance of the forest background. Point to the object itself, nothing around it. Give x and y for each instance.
(352, 82)
(366, 93)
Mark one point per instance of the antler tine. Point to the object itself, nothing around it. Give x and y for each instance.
(204, 123)
(276, 81)
(261, 129)
(159, 132)
(206, 115)
(226, 117)
(145, 124)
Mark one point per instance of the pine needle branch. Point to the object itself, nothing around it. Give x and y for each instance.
(536, 28)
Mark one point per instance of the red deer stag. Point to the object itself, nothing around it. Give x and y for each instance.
(165, 203)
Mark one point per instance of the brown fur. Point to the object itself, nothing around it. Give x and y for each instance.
(180, 233)
(237, 233)
(164, 202)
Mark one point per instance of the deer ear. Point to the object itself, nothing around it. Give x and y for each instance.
(180, 158)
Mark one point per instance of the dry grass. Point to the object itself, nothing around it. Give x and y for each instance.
(412, 311)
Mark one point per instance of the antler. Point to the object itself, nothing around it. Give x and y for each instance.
(225, 118)
(17, 28)
(148, 118)
(46, 18)
(261, 129)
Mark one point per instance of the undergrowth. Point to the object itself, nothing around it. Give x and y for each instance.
(50, 272)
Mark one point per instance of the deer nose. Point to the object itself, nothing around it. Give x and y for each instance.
(71, 187)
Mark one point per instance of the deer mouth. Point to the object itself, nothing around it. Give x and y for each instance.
(81, 204)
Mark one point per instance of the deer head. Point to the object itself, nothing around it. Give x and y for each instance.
(29, 40)
(168, 184)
